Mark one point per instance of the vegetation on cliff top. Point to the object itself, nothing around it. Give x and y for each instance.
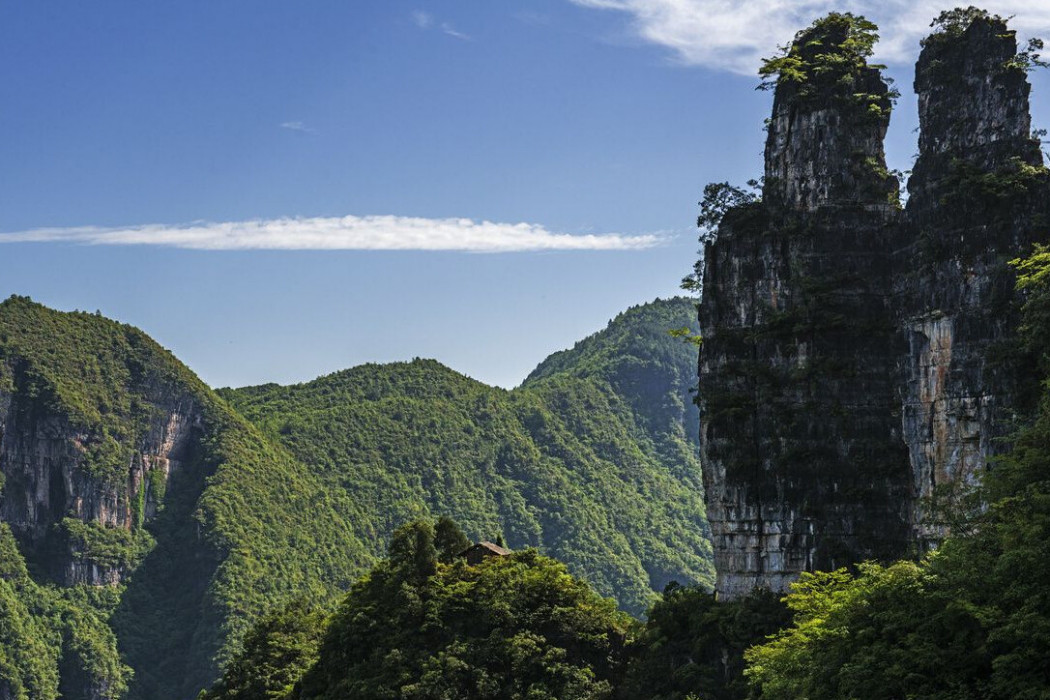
(825, 62)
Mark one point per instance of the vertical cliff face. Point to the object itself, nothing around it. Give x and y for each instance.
(846, 368)
(803, 459)
(977, 200)
(49, 482)
(81, 474)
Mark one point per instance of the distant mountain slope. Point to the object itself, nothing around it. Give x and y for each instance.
(137, 496)
(591, 460)
(652, 371)
(145, 524)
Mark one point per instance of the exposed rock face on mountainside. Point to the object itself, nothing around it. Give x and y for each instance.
(51, 464)
(979, 197)
(849, 366)
(148, 523)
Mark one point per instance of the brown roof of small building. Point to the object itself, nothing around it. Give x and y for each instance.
(488, 546)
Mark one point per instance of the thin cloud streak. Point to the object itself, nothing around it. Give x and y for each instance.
(425, 21)
(341, 233)
(734, 35)
(451, 31)
(297, 126)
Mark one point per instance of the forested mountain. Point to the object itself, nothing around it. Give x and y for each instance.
(147, 524)
(593, 460)
(150, 519)
(426, 624)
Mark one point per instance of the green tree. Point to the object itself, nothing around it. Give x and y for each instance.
(449, 539)
(277, 651)
(412, 550)
(513, 627)
(693, 645)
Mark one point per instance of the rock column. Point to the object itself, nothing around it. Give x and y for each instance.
(803, 459)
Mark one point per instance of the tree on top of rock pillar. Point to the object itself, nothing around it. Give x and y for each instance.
(830, 114)
(975, 140)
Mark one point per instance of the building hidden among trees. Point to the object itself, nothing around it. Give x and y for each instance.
(481, 551)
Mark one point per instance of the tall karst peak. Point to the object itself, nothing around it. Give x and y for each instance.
(830, 114)
(853, 361)
(973, 96)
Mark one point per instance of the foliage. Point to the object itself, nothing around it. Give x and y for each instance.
(593, 460)
(685, 333)
(1029, 58)
(693, 645)
(511, 627)
(110, 547)
(277, 652)
(45, 628)
(966, 182)
(449, 540)
(1033, 281)
(953, 23)
(244, 525)
(719, 199)
(824, 61)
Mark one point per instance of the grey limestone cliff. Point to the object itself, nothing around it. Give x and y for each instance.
(74, 495)
(848, 367)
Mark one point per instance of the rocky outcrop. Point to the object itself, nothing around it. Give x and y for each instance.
(49, 481)
(976, 201)
(849, 367)
(824, 139)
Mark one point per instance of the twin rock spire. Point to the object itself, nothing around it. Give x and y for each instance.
(853, 360)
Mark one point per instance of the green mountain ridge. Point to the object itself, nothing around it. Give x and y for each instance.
(154, 524)
(229, 533)
(565, 463)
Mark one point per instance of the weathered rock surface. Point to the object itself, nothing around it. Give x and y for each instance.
(956, 290)
(45, 463)
(849, 367)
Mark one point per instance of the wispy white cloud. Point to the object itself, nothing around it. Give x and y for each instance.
(451, 31)
(298, 126)
(341, 233)
(422, 19)
(425, 21)
(735, 35)
(534, 18)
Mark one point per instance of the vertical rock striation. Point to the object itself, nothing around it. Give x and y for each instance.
(804, 464)
(846, 370)
(81, 475)
(977, 200)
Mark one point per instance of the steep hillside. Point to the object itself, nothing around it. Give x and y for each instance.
(146, 524)
(646, 367)
(572, 462)
(137, 498)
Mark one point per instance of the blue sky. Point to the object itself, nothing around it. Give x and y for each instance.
(536, 162)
